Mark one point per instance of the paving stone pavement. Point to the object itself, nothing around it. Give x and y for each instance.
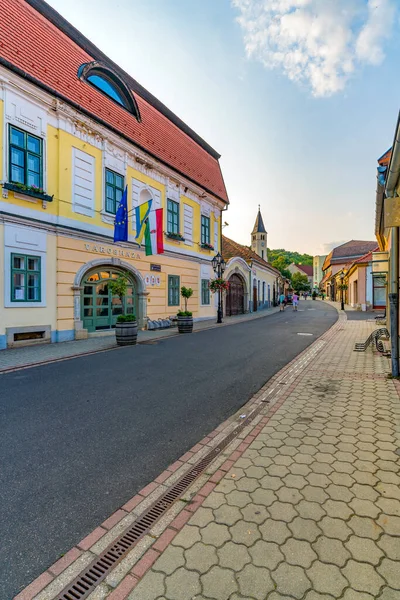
(311, 510)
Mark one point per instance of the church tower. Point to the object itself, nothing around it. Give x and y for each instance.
(259, 237)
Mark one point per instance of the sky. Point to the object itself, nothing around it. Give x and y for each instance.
(300, 98)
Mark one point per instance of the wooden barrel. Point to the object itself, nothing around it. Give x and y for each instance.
(126, 333)
(185, 324)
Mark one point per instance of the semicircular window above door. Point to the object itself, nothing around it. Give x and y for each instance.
(100, 308)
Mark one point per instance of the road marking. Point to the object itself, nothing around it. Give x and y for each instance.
(305, 334)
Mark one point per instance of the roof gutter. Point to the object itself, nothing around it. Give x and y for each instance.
(390, 189)
(379, 224)
(394, 165)
(5, 63)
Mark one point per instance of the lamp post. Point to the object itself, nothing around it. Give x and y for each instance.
(219, 265)
(341, 291)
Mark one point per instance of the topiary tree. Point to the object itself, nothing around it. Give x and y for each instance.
(186, 293)
(118, 288)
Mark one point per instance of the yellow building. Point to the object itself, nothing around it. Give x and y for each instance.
(318, 262)
(75, 131)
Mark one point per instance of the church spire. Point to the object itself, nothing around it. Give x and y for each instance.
(259, 224)
(259, 237)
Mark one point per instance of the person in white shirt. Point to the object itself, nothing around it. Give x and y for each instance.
(295, 299)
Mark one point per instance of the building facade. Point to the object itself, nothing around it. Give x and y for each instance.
(339, 261)
(76, 131)
(318, 261)
(361, 291)
(253, 281)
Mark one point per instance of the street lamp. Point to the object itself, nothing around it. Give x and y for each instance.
(219, 265)
(341, 291)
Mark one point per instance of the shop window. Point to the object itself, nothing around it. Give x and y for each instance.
(25, 278)
(114, 191)
(172, 217)
(205, 229)
(173, 290)
(25, 158)
(205, 292)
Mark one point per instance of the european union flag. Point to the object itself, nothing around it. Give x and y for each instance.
(121, 219)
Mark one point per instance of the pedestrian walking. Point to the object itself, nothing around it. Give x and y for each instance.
(282, 299)
(295, 301)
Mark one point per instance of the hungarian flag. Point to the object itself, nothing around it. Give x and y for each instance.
(142, 212)
(153, 236)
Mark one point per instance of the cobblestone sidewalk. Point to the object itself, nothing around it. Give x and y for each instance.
(312, 508)
(305, 505)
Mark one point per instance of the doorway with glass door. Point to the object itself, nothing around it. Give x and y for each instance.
(100, 308)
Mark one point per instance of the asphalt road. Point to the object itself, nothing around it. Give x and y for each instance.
(81, 437)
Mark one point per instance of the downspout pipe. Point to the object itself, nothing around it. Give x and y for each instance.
(390, 191)
(222, 250)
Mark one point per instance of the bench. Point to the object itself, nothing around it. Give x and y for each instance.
(375, 338)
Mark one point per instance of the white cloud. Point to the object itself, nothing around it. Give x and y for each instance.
(316, 42)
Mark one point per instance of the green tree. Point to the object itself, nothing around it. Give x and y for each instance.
(186, 293)
(290, 257)
(281, 264)
(300, 282)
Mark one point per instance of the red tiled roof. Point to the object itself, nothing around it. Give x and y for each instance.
(367, 257)
(353, 249)
(231, 249)
(51, 55)
(307, 269)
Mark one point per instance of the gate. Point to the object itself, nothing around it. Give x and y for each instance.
(235, 296)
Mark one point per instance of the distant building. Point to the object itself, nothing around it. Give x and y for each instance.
(340, 259)
(303, 270)
(318, 261)
(359, 279)
(253, 282)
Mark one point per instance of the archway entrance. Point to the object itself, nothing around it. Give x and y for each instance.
(99, 307)
(235, 296)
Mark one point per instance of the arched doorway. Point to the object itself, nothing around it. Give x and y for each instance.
(235, 296)
(99, 307)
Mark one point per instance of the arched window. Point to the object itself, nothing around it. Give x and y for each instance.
(108, 82)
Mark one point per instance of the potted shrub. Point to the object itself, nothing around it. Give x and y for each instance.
(185, 317)
(126, 328)
(314, 295)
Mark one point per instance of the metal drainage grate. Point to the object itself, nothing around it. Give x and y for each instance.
(90, 577)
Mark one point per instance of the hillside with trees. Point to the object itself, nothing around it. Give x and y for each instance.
(281, 259)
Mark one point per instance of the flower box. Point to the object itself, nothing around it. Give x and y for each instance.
(207, 246)
(175, 236)
(28, 191)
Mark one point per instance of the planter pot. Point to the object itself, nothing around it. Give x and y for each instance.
(126, 333)
(185, 324)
